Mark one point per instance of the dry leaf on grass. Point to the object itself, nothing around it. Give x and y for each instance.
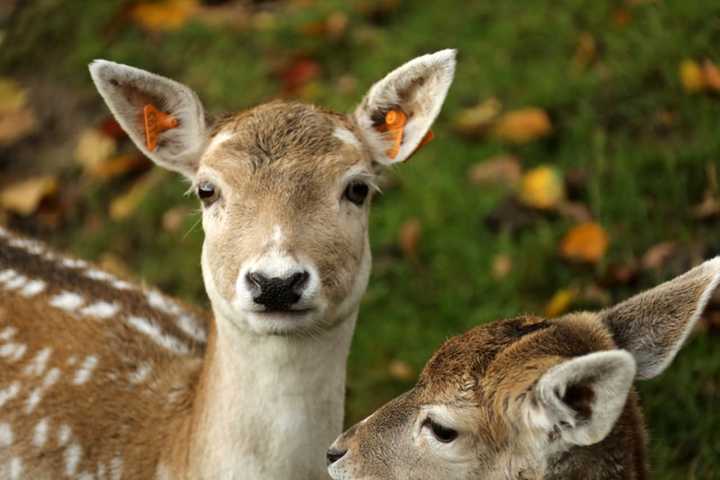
(409, 238)
(500, 169)
(691, 76)
(93, 148)
(475, 121)
(400, 370)
(174, 218)
(560, 302)
(585, 51)
(165, 15)
(123, 206)
(501, 266)
(657, 255)
(542, 188)
(119, 165)
(522, 126)
(586, 242)
(16, 117)
(25, 197)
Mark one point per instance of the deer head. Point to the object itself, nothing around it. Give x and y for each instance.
(285, 187)
(531, 398)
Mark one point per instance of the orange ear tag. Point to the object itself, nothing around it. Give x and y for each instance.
(394, 125)
(156, 122)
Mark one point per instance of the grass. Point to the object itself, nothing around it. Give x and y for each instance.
(642, 176)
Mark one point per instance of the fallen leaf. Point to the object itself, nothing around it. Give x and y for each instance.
(657, 255)
(500, 169)
(542, 188)
(409, 238)
(501, 266)
(299, 73)
(621, 17)
(711, 76)
(124, 205)
(24, 197)
(16, 117)
(236, 15)
(119, 165)
(475, 121)
(586, 242)
(576, 211)
(174, 218)
(522, 126)
(585, 51)
(400, 370)
(691, 76)
(511, 216)
(560, 302)
(621, 273)
(708, 208)
(93, 148)
(165, 15)
(595, 295)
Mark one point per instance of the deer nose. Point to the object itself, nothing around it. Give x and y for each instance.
(277, 293)
(334, 454)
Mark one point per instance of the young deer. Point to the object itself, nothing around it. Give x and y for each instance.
(102, 380)
(529, 398)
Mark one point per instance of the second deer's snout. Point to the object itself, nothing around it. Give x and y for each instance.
(277, 293)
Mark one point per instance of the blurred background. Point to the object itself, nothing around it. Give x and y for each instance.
(575, 162)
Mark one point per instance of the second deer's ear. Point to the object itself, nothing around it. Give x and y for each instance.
(653, 325)
(396, 114)
(164, 118)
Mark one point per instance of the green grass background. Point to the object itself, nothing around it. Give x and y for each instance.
(642, 178)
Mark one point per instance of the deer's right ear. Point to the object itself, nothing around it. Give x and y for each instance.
(653, 325)
(396, 114)
(164, 118)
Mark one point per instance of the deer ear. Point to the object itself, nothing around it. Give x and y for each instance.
(164, 118)
(581, 399)
(654, 324)
(396, 114)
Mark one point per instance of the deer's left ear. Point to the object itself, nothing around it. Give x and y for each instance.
(581, 399)
(653, 325)
(396, 114)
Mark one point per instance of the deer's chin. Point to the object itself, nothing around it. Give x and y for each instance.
(284, 322)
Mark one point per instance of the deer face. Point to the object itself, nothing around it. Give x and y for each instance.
(285, 188)
(526, 398)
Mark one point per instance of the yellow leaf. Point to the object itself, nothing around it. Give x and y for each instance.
(542, 188)
(123, 206)
(523, 125)
(691, 76)
(501, 266)
(476, 120)
(12, 96)
(586, 242)
(24, 197)
(560, 302)
(16, 117)
(94, 148)
(164, 15)
(400, 370)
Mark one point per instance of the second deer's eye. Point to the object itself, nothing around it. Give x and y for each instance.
(207, 192)
(441, 433)
(357, 192)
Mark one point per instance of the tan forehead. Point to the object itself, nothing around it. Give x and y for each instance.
(286, 136)
(509, 352)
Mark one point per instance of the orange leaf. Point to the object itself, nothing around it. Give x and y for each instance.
(523, 125)
(400, 370)
(711, 76)
(409, 238)
(560, 302)
(542, 188)
(586, 242)
(165, 15)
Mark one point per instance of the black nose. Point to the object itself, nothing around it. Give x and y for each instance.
(333, 455)
(277, 293)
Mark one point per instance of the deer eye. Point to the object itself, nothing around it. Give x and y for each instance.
(356, 192)
(207, 192)
(442, 434)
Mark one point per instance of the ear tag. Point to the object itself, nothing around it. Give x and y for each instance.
(394, 125)
(156, 122)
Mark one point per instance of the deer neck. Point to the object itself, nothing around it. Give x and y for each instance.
(268, 406)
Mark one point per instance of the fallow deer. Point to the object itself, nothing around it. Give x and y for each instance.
(103, 380)
(529, 398)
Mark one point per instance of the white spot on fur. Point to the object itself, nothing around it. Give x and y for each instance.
(32, 246)
(95, 274)
(13, 351)
(67, 301)
(74, 263)
(152, 330)
(33, 288)
(72, 360)
(6, 275)
(39, 362)
(73, 455)
(121, 285)
(9, 393)
(101, 471)
(16, 282)
(6, 435)
(116, 468)
(140, 374)
(40, 433)
(186, 323)
(64, 434)
(85, 476)
(7, 333)
(16, 468)
(36, 395)
(101, 309)
(83, 373)
(346, 136)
